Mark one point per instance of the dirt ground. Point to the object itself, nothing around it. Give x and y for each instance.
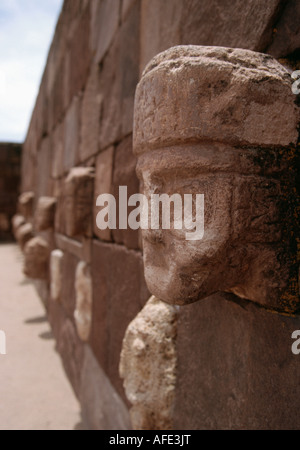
(34, 391)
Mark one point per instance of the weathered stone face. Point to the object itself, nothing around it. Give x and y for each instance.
(45, 213)
(83, 311)
(36, 261)
(223, 123)
(17, 221)
(78, 201)
(23, 234)
(148, 366)
(26, 201)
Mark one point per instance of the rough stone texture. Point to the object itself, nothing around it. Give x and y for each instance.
(17, 221)
(119, 76)
(210, 22)
(286, 35)
(114, 304)
(78, 198)
(45, 213)
(124, 175)
(68, 292)
(241, 98)
(90, 115)
(36, 258)
(26, 201)
(148, 366)
(105, 20)
(84, 297)
(202, 111)
(235, 367)
(58, 151)
(71, 350)
(44, 185)
(103, 185)
(72, 134)
(56, 279)
(80, 55)
(102, 407)
(24, 234)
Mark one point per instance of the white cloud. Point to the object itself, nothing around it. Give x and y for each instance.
(26, 31)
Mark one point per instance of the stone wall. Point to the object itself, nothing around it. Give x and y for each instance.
(94, 285)
(10, 168)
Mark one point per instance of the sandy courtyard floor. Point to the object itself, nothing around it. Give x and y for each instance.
(34, 391)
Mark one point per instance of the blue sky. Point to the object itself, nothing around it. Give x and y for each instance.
(26, 31)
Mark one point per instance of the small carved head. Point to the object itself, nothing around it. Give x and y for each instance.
(221, 122)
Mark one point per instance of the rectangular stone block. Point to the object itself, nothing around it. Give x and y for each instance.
(103, 183)
(90, 115)
(233, 359)
(124, 175)
(72, 134)
(78, 201)
(44, 185)
(119, 293)
(102, 407)
(119, 76)
(173, 22)
(80, 55)
(57, 142)
(104, 24)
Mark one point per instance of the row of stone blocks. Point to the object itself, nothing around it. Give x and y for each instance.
(150, 332)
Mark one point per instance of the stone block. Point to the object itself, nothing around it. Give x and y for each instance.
(17, 221)
(119, 293)
(78, 201)
(235, 367)
(70, 348)
(24, 234)
(90, 115)
(80, 54)
(68, 293)
(57, 143)
(36, 258)
(103, 185)
(165, 24)
(25, 204)
(45, 213)
(83, 292)
(102, 407)
(72, 134)
(119, 76)
(148, 366)
(125, 175)
(44, 186)
(286, 34)
(104, 25)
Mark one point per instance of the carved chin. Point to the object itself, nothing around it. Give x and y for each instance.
(175, 287)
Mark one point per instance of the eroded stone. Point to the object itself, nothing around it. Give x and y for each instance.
(45, 213)
(83, 311)
(36, 262)
(23, 234)
(26, 201)
(78, 201)
(148, 366)
(56, 274)
(221, 122)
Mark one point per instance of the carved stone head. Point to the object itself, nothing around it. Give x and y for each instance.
(221, 122)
